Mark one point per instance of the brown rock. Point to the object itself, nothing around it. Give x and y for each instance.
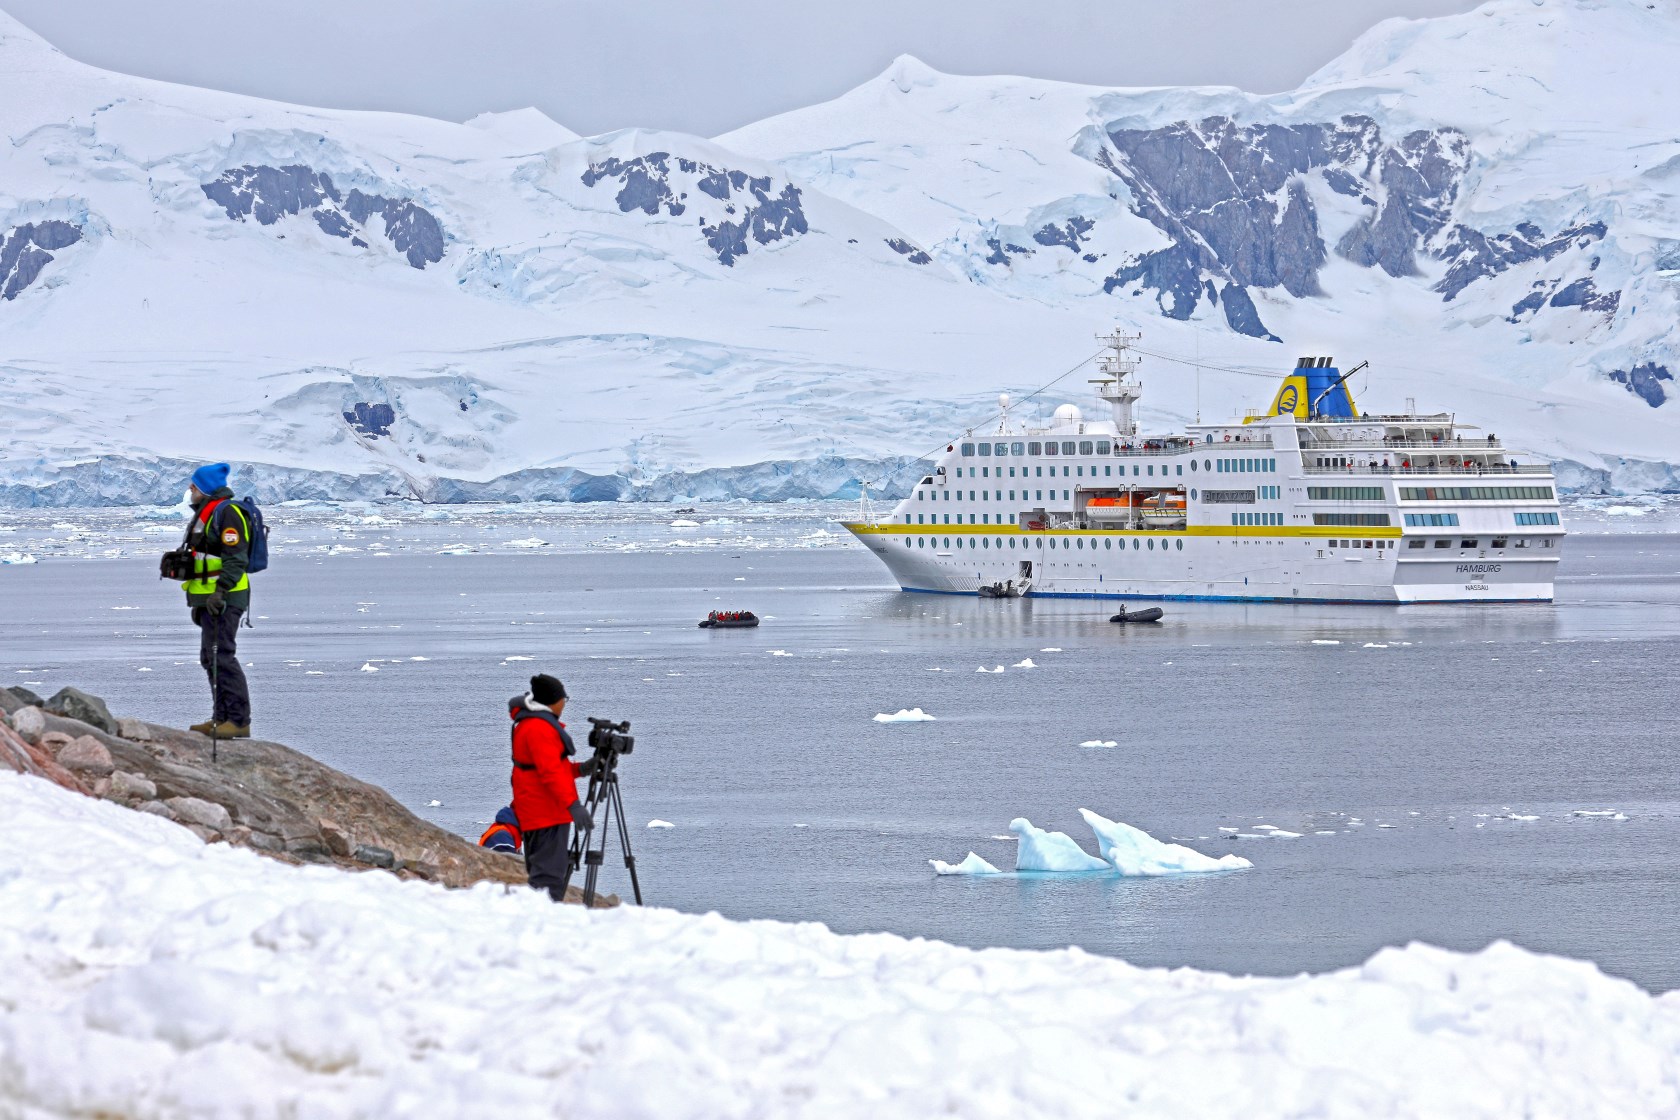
(134, 730)
(85, 755)
(338, 840)
(131, 787)
(30, 723)
(208, 835)
(196, 810)
(55, 741)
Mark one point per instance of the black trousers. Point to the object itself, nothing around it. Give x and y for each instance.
(547, 852)
(219, 654)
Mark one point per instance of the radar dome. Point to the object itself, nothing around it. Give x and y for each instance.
(1068, 413)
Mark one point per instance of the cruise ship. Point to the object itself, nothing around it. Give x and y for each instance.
(1310, 501)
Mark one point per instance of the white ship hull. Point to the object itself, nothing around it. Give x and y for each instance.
(1210, 566)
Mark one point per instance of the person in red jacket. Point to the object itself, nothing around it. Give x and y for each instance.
(545, 794)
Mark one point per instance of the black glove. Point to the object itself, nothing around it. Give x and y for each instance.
(580, 816)
(216, 604)
(587, 767)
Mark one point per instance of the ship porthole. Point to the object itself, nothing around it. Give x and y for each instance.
(1011, 542)
(985, 542)
(921, 542)
(1179, 544)
(1136, 544)
(1081, 542)
(1152, 546)
(959, 542)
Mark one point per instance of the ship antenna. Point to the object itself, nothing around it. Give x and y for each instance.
(1118, 384)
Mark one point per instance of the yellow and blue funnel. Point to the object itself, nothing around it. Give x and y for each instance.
(1314, 388)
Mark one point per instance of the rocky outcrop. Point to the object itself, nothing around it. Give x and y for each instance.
(258, 795)
(745, 209)
(73, 703)
(26, 249)
(271, 193)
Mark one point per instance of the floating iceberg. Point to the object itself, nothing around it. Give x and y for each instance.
(17, 558)
(1133, 851)
(1325, 642)
(1099, 743)
(1026, 664)
(369, 667)
(973, 865)
(904, 715)
(1050, 851)
(657, 823)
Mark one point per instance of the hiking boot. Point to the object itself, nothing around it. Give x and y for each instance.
(203, 728)
(230, 730)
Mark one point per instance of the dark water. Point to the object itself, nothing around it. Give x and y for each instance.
(1226, 715)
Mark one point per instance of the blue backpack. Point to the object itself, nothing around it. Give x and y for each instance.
(257, 531)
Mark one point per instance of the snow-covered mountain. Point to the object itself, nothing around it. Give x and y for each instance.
(369, 303)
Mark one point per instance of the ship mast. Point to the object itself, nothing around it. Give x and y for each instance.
(1118, 384)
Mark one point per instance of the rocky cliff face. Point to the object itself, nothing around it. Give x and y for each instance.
(269, 194)
(27, 249)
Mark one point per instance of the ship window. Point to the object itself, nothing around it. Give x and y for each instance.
(1207, 464)
(1443, 543)
(1086, 447)
(1080, 472)
(1180, 468)
(1108, 543)
(1011, 542)
(1080, 542)
(1135, 544)
(959, 542)
(1000, 449)
(985, 542)
(1012, 495)
(968, 449)
(1417, 519)
(1500, 542)
(1103, 447)
(1067, 447)
(1050, 449)
(1350, 519)
(1034, 448)
(1134, 469)
(1011, 472)
(1038, 472)
(1017, 449)
(1108, 470)
(1192, 493)
(1192, 466)
(1467, 542)
(1414, 544)
(919, 518)
(1152, 545)
(1067, 495)
(985, 449)
(1179, 544)
(1537, 519)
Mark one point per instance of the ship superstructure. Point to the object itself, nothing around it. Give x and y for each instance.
(1311, 500)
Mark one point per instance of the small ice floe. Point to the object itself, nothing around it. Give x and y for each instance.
(1012, 839)
(1099, 743)
(1040, 850)
(983, 669)
(519, 656)
(1324, 832)
(1133, 851)
(1051, 649)
(434, 803)
(657, 823)
(684, 523)
(934, 669)
(528, 542)
(1026, 663)
(142, 669)
(780, 653)
(904, 715)
(1508, 815)
(457, 550)
(17, 558)
(802, 826)
(318, 673)
(1375, 645)
(1270, 832)
(1325, 642)
(1381, 824)
(369, 667)
(419, 659)
(1600, 814)
(125, 608)
(972, 865)
(1229, 828)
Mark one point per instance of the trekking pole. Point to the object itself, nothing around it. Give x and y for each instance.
(215, 682)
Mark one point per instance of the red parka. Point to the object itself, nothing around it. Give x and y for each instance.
(544, 777)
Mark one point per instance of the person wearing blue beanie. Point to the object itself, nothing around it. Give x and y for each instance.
(211, 477)
(219, 594)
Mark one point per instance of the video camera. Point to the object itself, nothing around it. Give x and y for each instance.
(607, 738)
(176, 564)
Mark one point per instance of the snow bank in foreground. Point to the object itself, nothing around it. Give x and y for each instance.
(1133, 851)
(148, 975)
(1051, 851)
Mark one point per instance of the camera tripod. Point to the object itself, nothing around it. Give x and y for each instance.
(602, 802)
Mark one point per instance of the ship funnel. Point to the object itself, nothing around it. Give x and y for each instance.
(1315, 388)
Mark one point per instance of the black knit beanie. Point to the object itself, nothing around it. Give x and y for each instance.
(546, 689)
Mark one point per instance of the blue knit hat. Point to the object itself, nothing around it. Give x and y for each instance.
(211, 477)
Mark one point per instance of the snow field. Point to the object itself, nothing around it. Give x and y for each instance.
(149, 975)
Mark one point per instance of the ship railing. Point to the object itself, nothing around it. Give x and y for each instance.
(1379, 469)
(1400, 445)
